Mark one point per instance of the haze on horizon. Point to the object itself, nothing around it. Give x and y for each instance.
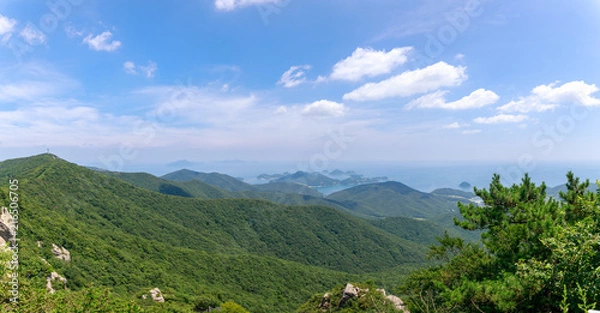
(107, 82)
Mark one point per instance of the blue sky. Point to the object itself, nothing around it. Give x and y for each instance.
(302, 81)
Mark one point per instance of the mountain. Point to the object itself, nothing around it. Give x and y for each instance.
(222, 181)
(308, 179)
(390, 199)
(265, 256)
(190, 189)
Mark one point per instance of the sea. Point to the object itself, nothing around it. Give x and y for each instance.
(424, 177)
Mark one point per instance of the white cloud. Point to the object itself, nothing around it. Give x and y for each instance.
(130, 68)
(366, 62)
(7, 26)
(410, 83)
(324, 108)
(102, 42)
(548, 97)
(149, 69)
(471, 131)
(32, 35)
(31, 82)
(230, 5)
(295, 76)
(477, 99)
(501, 118)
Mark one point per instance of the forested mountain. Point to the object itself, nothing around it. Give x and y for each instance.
(390, 199)
(265, 256)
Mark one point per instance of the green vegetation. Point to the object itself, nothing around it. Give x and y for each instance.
(369, 300)
(539, 254)
(391, 199)
(264, 256)
(222, 181)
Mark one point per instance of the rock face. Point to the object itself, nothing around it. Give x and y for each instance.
(61, 253)
(349, 292)
(50, 278)
(157, 295)
(397, 302)
(6, 228)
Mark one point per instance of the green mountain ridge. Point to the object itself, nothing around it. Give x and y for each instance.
(392, 199)
(133, 239)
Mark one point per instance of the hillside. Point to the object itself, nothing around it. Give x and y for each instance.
(390, 199)
(190, 189)
(222, 181)
(134, 239)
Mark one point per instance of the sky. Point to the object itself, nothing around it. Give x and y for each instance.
(309, 82)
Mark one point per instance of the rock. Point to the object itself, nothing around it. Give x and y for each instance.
(382, 291)
(39, 244)
(349, 292)
(6, 226)
(325, 302)
(144, 297)
(398, 303)
(51, 277)
(157, 295)
(61, 253)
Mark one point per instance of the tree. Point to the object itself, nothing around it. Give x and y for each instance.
(232, 307)
(533, 248)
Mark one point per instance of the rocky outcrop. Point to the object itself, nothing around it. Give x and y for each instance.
(6, 226)
(351, 291)
(157, 295)
(325, 302)
(61, 253)
(53, 276)
(397, 302)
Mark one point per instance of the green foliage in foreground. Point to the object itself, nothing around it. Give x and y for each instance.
(372, 301)
(538, 255)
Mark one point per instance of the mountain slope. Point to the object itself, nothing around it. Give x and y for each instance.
(130, 238)
(390, 199)
(222, 181)
(190, 189)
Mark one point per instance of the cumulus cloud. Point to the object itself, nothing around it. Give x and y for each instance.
(548, 97)
(295, 76)
(477, 99)
(324, 108)
(102, 42)
(501, 118)
(230, 5)
(367, 62)
(130, 68)
(411, 83)
(32, 35)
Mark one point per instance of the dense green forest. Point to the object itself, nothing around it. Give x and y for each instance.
(267, 257)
